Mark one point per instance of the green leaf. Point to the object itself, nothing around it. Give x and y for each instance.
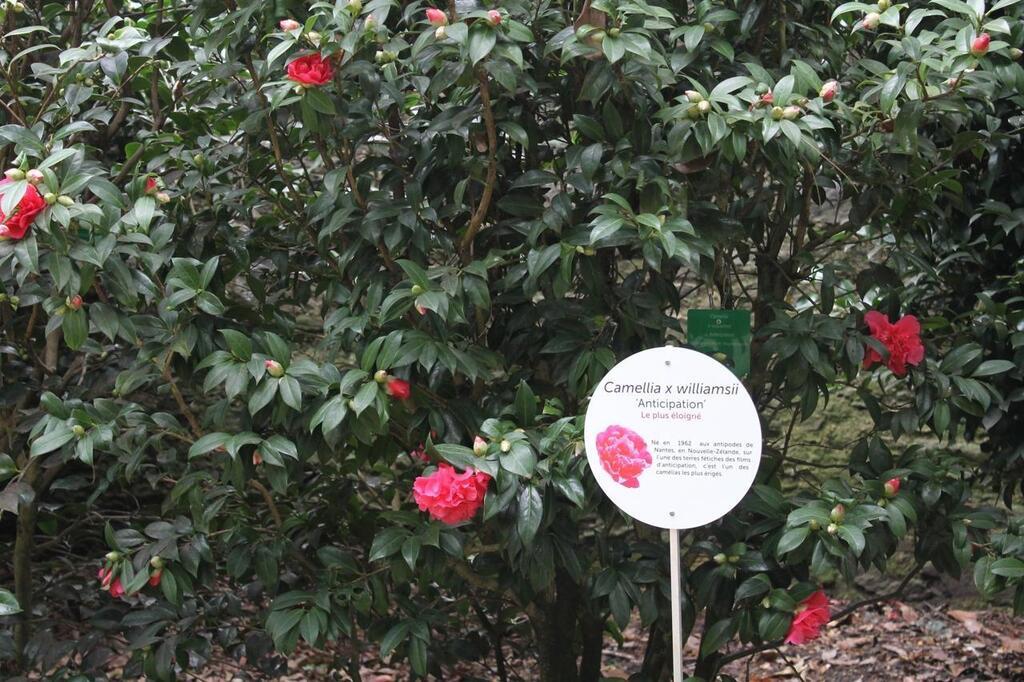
(291, 392)
(208, 443)
(8, 604)
(387, 542)
(853, 536)
(520, 460)
(526, 404)
(529, 514)
(1008, 567)
(51, 440)
(716, 636)
(992, 367)
(239, 344)
(481, 41)
(76, 328)
(791, 539)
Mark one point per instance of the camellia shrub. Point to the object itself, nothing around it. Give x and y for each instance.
(302, 304)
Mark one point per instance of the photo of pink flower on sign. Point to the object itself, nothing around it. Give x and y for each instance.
(623, 455)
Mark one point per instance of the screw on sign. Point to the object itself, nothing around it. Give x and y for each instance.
(674, 440)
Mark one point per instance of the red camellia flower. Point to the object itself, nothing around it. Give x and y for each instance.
(902, 340)
(311, 70)
(450, 497)
(436, 16)
(105, 576)
(892, 486)
(623, 455)
(116, 588)
(828, 91)
(979, 45)
(398, 388)
(811, 614)
(16, 225)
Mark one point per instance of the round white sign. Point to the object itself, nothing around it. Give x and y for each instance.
(673, 437)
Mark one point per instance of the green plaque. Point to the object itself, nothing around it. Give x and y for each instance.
(722, 334)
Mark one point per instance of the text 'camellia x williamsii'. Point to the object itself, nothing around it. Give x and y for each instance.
(902, 340)
(450, 497)
(311, 70)
(811, 614)
(31, 205)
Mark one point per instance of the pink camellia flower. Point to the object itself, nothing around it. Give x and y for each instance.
(892, 486)
(398, 388)
(274, 368)
(902, 340)
(494, 17)
(156, 576)
(979, 45)
(450, 497)
(828, 90)
(311, 70)
(436, 17)
(116, 588)
(16, 225)
(811, 614)
(289, 25)
(623, 455)
(151, 185)
(105, 576)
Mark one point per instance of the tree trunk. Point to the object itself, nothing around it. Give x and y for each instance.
(554, 624)
(592, 632)
(23, 562)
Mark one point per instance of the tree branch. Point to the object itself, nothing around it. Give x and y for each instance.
(466, 246)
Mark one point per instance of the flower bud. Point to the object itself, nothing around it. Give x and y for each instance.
(838, 513)
(163, 197)
(289, 25)
(436, 17)
(979, 46)
(314, 38)
(440, 33)
(1016, 53)
(693, 111)
(257, 458)
(734, 559)
(74, 302)
(870, 21)
(355, 6)
(416, 290)
(198, 159)
(156, 562)
(720, 558)
(814, 525)
(694, 96)
(791, 112)
(505, 446)
(892, 486)
(34, 177)
(829, 90)
(18, 7)
(777, 113)
(380, 376)
(15, 301)
(703, 107)
(832, 529)
(884, 5)
(274, 368)
(65, 200)
(78, 430)
(479, 446)
(614, 32)
(298, 90)
(113, 556)
(494, 17)
(14, 174)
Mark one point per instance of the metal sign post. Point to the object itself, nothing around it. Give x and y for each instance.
(677, 606)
